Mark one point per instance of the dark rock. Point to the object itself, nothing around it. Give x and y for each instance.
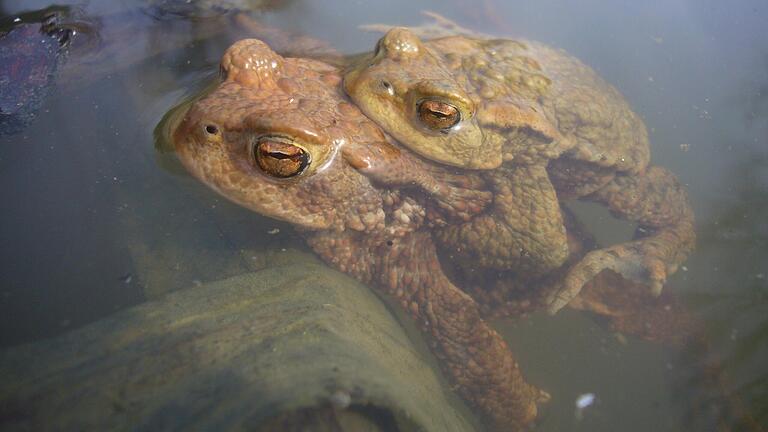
(276, 347)
(30, 54)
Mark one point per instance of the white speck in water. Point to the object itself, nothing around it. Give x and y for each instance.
(17, 20)
(684, 268)
(685, 147)
(583, 402)
(273, 231)
(760, 276)
(734, 334)
(341, 399)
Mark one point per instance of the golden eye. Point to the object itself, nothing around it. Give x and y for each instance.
(280, 159)
(438, 115)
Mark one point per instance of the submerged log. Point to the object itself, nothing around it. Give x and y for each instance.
(279, 349)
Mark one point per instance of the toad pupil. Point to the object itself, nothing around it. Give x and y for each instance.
(280, 159)
(438, 115)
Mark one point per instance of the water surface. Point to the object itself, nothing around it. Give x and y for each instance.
(95, 219)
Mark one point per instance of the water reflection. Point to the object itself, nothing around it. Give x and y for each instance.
(202, 9)
(33, 47)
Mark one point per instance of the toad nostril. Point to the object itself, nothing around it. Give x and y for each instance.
(387, 86)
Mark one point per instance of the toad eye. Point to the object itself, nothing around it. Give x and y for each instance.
(438, 115)
(211, 129)
(280, 159)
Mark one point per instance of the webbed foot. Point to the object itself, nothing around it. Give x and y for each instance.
(630, 260)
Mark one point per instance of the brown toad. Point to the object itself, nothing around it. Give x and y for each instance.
(546, 128)
(277, 137)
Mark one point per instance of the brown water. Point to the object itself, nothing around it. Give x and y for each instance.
(95, 219)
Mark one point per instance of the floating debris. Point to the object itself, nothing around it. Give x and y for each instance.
(273, 231)
(341, 399)
(583, 402)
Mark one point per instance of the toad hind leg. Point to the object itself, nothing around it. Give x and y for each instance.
(523, 229)
(472, 354)
(664, 238)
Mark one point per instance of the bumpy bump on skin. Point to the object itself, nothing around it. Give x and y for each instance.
(391, 99)
(548, 110)
(471, 352)
(351, 203)
(251, 63)
(665, 237)
(401, 44)
(530, 239)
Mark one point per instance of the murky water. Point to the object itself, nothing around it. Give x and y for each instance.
(96, 219)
